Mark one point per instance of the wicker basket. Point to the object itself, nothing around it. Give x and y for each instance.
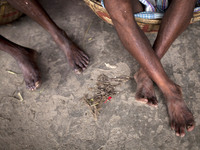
(147, 25)
(7, 13)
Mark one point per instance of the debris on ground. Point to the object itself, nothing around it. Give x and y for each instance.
(11, 72)
(20, 96)
(103, 92)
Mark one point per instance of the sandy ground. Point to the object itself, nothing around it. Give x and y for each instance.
(56, 116)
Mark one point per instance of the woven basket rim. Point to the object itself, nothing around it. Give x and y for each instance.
(195, 18)
(8, 13)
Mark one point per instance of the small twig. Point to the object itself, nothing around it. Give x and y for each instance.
(11, 72)
(20, 96)
(86, 33)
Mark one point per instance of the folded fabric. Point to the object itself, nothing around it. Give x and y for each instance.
(154, 9)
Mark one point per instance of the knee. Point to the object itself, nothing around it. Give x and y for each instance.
(118, 10)
(119, 18)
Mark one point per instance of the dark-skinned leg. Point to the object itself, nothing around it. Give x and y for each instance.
(25, 57)
(173, 24)
(77, 59)
(138, 45)
(136, 42)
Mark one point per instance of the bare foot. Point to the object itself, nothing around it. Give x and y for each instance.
(29, 68)
(145, 91)
(180, 116)
(77, 59)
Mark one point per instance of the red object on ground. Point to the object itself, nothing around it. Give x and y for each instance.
(108, 99)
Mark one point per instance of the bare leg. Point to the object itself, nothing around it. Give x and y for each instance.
(172, 25)
(25, 57)
(77, 59)
(166, 35)
(138, 45)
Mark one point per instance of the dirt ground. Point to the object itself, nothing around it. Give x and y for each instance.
(56, 116)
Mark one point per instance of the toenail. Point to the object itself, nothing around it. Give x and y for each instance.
(182, 135)
(177, 134)
(37, 84)
(77, 71)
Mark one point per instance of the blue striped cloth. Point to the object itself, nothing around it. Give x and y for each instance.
(154, 9)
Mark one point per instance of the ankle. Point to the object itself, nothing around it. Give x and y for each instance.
(61, 38)
(140, 74)
(174, 92)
